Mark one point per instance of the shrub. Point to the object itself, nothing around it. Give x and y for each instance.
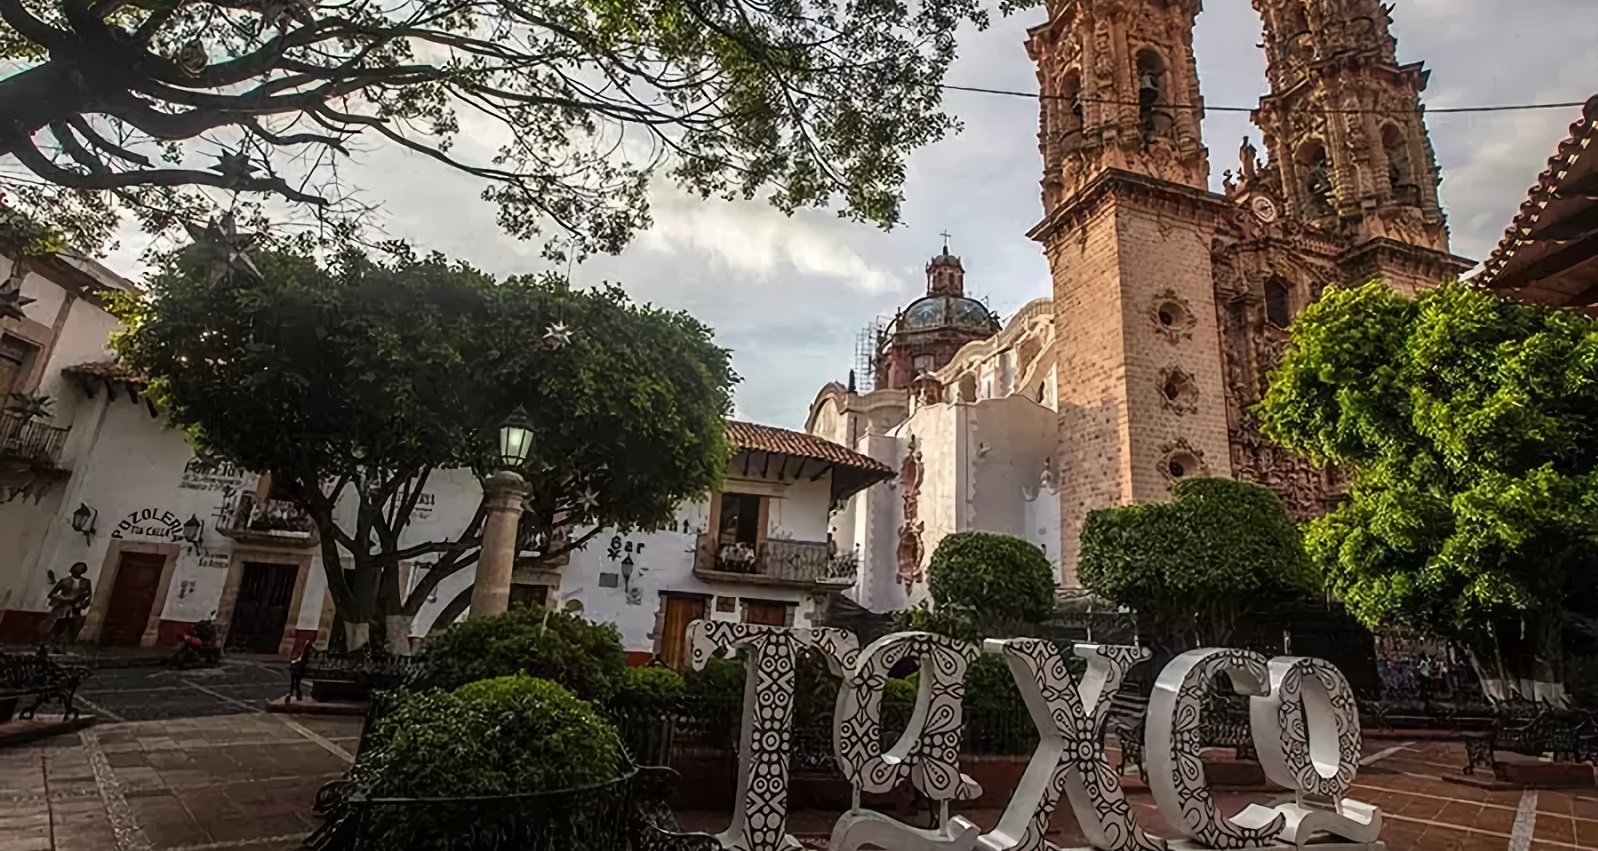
(648, 692)
(509, 735)
(1223, 551)
(991, 579)
(720, 679)
(486, 740)
(585, 657)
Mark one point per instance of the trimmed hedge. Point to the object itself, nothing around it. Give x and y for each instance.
(1192, 568)
(585, 657)
(992, 579)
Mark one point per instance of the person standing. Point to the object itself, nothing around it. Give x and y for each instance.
(69, 600)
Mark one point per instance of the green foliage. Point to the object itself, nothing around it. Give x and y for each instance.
(495, 737)
(1194, 567)
(1468, 423)
(720, 679)
(647, 692)
(990, 579)
(585, 657)
(358, 378)
(801, 104)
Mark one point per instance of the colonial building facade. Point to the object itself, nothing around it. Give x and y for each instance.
(1170, 302)
(97, 477)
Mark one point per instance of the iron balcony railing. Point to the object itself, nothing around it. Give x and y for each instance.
(31, 440)
(268, 518)
(779, 561)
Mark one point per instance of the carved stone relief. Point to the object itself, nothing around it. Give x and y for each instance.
(1173, 316)
(1179, 460)
(910, 551)
(1178, 390)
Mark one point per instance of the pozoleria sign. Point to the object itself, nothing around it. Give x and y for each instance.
(1304, 721)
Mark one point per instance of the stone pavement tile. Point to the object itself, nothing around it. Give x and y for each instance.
(1421, 808)
(1552, 828)
(25, 843)
(1555, 802)
(38, 820)
(1457, 812)
(1587, 833)
(166, 821)
(126, 759)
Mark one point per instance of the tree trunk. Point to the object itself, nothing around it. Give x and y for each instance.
(398, 632)
(1521, 659)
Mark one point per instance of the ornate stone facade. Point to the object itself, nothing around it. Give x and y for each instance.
(1143, 255)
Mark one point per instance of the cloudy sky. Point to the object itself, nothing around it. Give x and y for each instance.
(789, 295)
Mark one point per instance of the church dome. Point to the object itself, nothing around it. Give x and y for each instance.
(933, 312)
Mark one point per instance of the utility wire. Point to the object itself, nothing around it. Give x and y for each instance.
(1519, 107)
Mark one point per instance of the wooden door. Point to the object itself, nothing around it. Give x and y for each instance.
(680, 612)
(132, 597)
(767, 614)
(262, 608)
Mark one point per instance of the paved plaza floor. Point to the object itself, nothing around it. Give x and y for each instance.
(196, 765)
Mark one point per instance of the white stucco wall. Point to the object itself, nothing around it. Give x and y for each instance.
(987, 467)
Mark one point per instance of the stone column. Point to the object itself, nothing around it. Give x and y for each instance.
(503, 493)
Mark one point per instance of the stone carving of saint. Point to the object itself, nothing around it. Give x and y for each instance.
(69, 600)
(1319, 184)
(1249, 155)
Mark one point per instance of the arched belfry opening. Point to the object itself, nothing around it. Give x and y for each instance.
(1153, 95)
(1400, 169)
(1315, 167)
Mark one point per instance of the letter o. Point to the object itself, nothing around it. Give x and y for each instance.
(1306, 730)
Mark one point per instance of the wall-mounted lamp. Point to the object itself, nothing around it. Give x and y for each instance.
(193, 528)
(83, 520)
(627, 573)
(185, 588)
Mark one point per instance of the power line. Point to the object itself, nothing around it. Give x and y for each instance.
(1519, 107)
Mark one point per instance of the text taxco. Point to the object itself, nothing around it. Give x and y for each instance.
(1304, 721)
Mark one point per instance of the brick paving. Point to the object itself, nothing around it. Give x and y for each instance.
(246, 781)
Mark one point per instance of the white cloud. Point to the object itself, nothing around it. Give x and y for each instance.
(788, 295)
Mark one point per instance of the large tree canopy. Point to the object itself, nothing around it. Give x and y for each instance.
(1195, 569)
(116, 105)
(357, 380)
(1470, 424)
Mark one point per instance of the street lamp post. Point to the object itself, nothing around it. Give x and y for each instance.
(503, 494)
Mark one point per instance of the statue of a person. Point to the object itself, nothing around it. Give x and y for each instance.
(69, 600)
(1248, 154)
(1319, 185)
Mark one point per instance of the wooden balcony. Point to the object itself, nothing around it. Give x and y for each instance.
(270, 522)
(31, 441)
(791, 563)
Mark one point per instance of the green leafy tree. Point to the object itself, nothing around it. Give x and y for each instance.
(1470, 426)
(144, 106)
(1194, 568)
(991, 584)
(353, 381)
(583, 656)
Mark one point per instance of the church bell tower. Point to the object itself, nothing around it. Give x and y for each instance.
(1128, 226)
(1344, 124)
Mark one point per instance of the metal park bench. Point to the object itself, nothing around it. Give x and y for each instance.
(35, 675)
(366, 673)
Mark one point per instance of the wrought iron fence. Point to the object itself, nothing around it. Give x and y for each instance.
(30, 439)
(594, 818)
(703, 726)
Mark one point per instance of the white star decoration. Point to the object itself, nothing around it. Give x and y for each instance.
(589, 500)
(558, 335)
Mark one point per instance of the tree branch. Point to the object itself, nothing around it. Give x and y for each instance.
(75, 149)
(77, 122)
(36, 162)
